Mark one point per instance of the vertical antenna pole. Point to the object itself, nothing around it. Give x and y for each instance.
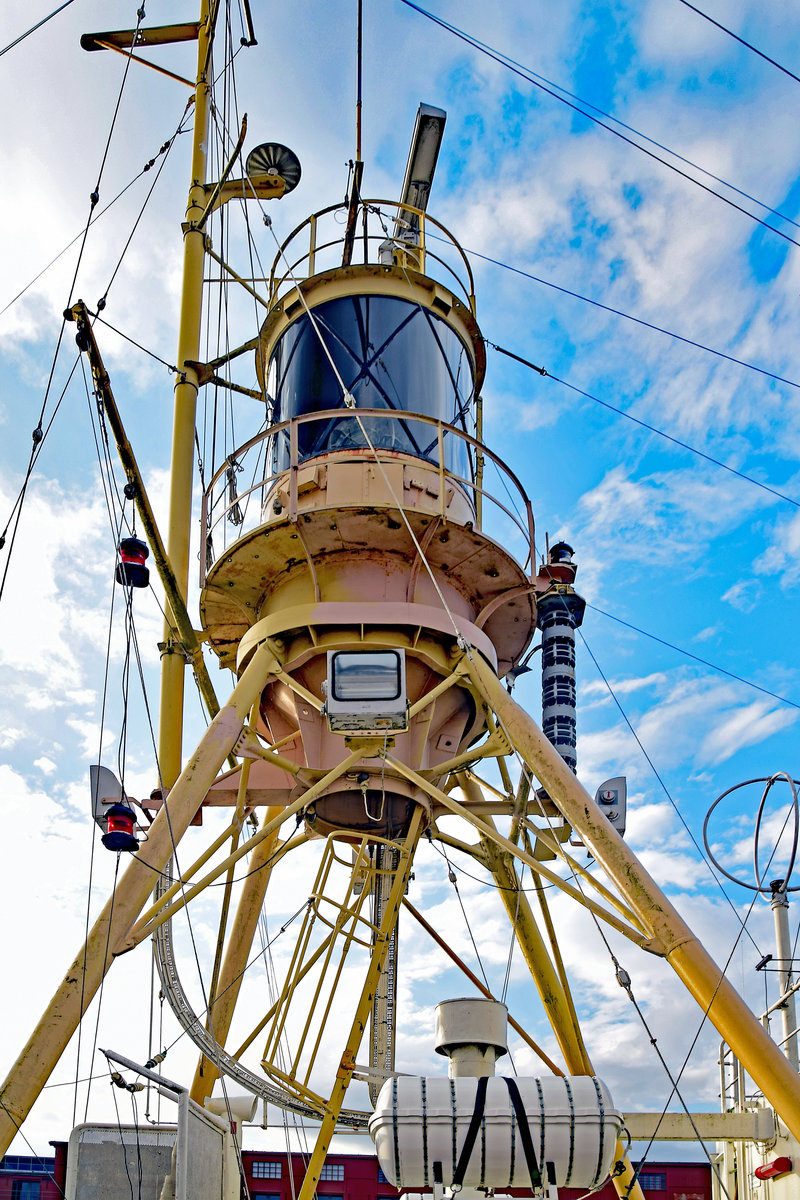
(783, 944)
(360, 14)
(173, 663)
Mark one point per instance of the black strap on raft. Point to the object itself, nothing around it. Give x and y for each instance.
(524, 1133)
(524, 1137)
(472, 1132)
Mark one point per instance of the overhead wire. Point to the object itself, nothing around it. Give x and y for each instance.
(621, 412)
(522, 73)
(741, 40)
(548, 283)
(696, 658)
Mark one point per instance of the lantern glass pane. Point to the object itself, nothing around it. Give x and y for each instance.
(370, 676)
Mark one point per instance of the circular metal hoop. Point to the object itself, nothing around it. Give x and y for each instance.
(770, 782)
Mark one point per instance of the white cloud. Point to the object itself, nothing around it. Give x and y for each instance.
(746, 726)
(744, 595)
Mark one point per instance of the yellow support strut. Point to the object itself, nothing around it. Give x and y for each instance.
(726, 1010)
(88, 969)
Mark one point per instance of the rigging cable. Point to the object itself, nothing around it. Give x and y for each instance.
(38, 438)
(33, 28)
(741, 41)
(621, 412)
(38, 432)
(104, 972)
(451, 875)
(704, 661)
(653, 142)
(96, 217)
(51, 1177)
(739, 362)
(163, 154)
(497, 57)
(675, 1090)
(116, 531)
(659, 778)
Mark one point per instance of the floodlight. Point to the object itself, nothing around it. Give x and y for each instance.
(366, 691)
(425, 143)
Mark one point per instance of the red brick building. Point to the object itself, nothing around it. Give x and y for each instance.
(344, 1177)
(23, 1177)
(358, 1177)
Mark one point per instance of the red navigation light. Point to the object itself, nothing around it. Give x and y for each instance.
(119, 829)
(131, 571)
(778, 1166)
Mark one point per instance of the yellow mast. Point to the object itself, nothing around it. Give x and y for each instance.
(62, 1016)
(173, 663)
(331, 607)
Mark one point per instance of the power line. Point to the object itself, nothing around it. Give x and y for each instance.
(741, 41)
(523, 73)
(621, 412)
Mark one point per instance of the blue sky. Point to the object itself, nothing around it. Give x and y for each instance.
(667, 542)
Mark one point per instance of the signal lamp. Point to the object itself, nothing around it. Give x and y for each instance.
(131, 571)
(119, 829)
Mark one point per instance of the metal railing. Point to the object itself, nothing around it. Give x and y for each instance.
(324, 240)
(506, 520)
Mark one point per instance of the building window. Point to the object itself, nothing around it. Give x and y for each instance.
(24, 1164)
(653, 1181)
(25, 1189)
(262, 1169)
(334, 1171)
(381, 1177)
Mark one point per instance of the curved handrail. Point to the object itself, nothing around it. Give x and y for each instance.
(210, 505)
(276, 280)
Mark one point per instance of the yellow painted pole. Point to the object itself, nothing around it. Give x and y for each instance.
(552, 987)
(173, 665)
(87, 970)
(531, 943)
(348, 1060)
(243, 930)
(726, 1010)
